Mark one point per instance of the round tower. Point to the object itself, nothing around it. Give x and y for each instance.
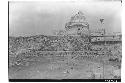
(77, 25)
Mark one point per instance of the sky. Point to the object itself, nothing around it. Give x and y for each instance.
(28, 18)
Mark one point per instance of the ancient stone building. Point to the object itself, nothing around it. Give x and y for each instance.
(77, 25)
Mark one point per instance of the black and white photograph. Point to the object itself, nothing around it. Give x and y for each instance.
(65, 41)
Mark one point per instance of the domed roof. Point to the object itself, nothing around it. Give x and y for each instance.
(79, 17)
(77, 20)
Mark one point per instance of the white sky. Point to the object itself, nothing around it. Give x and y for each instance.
(32, 18)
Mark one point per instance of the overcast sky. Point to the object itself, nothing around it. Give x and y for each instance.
(33, 18)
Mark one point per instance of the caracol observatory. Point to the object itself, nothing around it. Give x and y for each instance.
(77, 25)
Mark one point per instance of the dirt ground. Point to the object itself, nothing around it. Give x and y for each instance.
(67, 69)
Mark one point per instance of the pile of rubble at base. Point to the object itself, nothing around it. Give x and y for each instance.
(25, 49)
